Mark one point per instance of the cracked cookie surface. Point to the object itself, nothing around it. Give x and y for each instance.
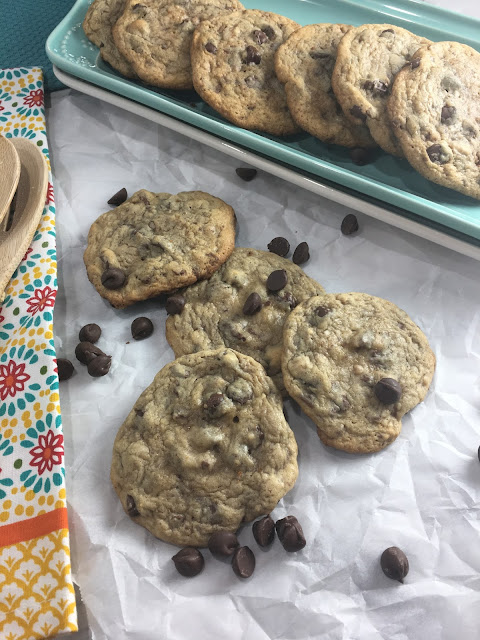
(155, 37)
(337, 347)
(368, 58)
(214, 314)
(159, 242)
(233, 69)
(205, 448)
(99, 20)
(435, 112)
(304, 64)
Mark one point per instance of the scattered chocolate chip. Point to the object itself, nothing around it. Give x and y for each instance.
(301, 253)
(132, 507)
(210, 47)
(322, 311)
(447, 114)
(260, 36)
(437, 154)
(287, 297)
(189, 562)
(139, 412)
(246, 174)
(253, 57)
(358, 113)
(269, 32)
(394, 563)
(175, 304)
(279, 245)
(360, 156)
(253, 304)
(277, 280)
(113, 278)
(213, 401)
(65, 369)
(120, 196)
(388, 391)
(290, 533)
(137, 7)
(85, 352)
(415, 63)
(90, 333)
(264, 531)
(319, 55)
(141, 328)
(478, 452)
(243, 563)
(99, 366)
(387, 31)
(349, 224)
(376, 86)
(223, 543)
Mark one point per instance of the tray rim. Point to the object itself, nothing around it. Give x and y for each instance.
(432, 212)
(310, 183)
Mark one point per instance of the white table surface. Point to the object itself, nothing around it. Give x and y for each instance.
(375, 233)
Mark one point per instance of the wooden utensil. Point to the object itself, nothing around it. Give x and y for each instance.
(19, 219)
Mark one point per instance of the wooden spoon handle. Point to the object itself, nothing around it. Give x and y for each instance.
(9, 174)
(30, 202)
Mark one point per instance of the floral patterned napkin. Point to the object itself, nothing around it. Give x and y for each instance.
(36, 592)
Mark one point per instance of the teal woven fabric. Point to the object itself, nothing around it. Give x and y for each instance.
(24, 28)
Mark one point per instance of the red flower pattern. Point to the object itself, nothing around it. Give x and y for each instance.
(41, 298)
(12, 379)
(34, 98)
(1, 108)
(29, 251)
(50, 197)
(48, 452)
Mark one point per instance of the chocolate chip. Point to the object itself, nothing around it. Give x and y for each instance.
(376, 86)
(85, 352)
(478, 452)
(301, 253)
(436, 154)
(415, 63)
(243, 563)
(360, 156)
(260, 36)
(349, 224)
(287, 297)
(279, 245)
(264, 531)
(322, 311)
(447, 114)
(113, 278)
(253, 57)
(65, 369)
(387, 31)
(358, 113)
(290, 533)
(137, 7)
(223, 543)
(189, 562)
(394, 563)
(252, 305)
(319, 55)
(175, 304)
(141, 328)
(277, 280)
(99, 366)
(139, 412)
(132, 507)
(388, 391)
(246, 174)
(210, 47)
(213, 401)
(90, 333)
(119, 197)
(269, 32)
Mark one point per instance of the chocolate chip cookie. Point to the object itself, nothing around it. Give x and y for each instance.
(156, 242)
(355, 364)
(243, 306)
(233, 69)
(304, 64)
(368, 59)
(155, 36)
(435, 112)
(99, 20)
(205, 448)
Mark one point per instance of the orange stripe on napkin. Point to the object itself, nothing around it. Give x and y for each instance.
(33, 527)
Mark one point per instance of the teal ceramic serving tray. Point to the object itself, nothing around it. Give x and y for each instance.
(387, 179)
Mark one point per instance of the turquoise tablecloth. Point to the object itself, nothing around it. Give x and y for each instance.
(24, 28)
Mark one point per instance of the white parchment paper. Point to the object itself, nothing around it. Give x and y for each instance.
(422, 493)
